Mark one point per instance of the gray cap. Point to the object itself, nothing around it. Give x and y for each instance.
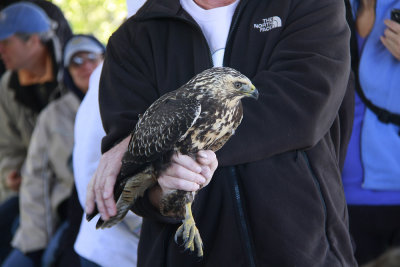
(81, 44)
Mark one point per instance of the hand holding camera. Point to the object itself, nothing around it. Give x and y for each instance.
(391, 35)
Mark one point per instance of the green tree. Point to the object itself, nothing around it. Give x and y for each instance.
(98, 17)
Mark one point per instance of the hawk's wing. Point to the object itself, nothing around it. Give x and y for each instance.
(156, 133)
(162, 126)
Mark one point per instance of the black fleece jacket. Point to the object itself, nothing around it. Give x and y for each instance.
(277, 197)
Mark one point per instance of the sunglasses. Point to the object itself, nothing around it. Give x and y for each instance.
(79, 60)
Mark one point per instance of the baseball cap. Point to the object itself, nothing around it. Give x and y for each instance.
(81, 43)
(23, 17)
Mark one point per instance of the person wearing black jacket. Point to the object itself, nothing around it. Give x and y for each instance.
(276, 198)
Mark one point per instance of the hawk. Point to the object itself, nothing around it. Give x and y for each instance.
(201, 115)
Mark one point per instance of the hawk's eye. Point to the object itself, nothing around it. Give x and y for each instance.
(237, 85)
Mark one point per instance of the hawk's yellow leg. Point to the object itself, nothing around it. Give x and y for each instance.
(189, 232)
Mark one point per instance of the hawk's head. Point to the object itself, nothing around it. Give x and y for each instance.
(224, 82)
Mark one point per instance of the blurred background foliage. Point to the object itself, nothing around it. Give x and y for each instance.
(98, 17)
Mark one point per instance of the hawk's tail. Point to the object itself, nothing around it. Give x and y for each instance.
(135, 187)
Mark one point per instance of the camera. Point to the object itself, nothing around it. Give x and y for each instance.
(395, 15)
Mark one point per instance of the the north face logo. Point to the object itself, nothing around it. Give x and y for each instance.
(269, 24)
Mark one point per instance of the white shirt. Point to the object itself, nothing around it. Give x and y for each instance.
(215, 24)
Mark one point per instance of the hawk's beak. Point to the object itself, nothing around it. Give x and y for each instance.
(252, 92)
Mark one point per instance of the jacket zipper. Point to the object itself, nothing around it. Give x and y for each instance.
(235, 19)
(197, 27)
(235, 183)
(204, 39)
(244, 228)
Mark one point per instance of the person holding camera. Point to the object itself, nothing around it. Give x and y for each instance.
(371, 174)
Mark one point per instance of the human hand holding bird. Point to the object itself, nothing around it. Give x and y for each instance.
(100, 188)
(187, 174)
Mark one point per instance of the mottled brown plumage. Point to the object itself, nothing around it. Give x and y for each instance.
(200, 115)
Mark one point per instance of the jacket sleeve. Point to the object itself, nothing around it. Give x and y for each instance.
(301, 87)
(130, 91)
(12, 146)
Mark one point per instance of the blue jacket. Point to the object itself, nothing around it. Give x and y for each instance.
(379, 76)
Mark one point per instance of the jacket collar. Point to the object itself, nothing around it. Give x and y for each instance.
(159, 7)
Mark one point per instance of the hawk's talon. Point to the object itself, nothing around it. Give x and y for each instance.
(189, 232)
